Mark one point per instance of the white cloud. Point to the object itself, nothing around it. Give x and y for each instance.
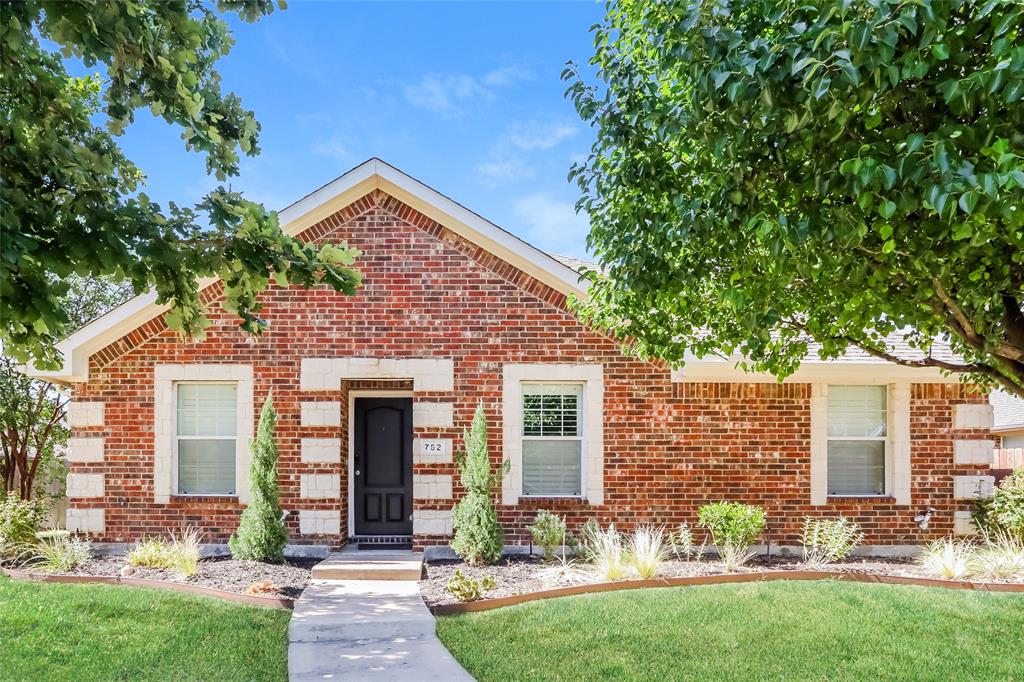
(507, 160)
(504, 169)
(528, 135)
(446, 94)
(333, 147)
(552, 224)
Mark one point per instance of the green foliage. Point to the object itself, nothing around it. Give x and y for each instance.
(180, 553)
(584, 544)
(261, 535)
(59, 552)
(72, 199)
(734, 527)
(548, 532)
(681, 541)
(464, 588)
(1003, 513)
(20, 520)
(771, 174)
(829, 540)
(478, 537)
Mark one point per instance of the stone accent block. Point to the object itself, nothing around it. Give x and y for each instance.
(320, 486)
(431, 450)
(432, 486)
(321, 450)
(962, 523)
(972, 487)
(321, 414)
(972, 416)
(432, 522)
(973, 452)
(85, 485)
(86, 520)
(427, 374)
(433, 415)
(85, 450)
(85, 413)
(313, 522)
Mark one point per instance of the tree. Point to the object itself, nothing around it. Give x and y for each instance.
(71, 198)
(261, 535)
(771, 175)
(478, 537)
(33, 424)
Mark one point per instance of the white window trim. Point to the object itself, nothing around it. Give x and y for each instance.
(591, 376)
(897, 446)
(164, 458)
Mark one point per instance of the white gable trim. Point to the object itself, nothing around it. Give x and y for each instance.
(303, 214)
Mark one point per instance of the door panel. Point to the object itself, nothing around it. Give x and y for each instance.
(382, 466)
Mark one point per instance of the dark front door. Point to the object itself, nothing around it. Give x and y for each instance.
(382, 466)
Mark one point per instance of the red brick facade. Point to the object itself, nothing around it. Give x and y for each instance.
(668, 447)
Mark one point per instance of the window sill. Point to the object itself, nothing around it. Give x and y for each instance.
(565, 500)
(889, 499)
(225, 497)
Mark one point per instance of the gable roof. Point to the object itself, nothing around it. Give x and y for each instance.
(303, 214)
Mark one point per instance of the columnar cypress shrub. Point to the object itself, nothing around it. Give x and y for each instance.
(478, 537)
(261, 535)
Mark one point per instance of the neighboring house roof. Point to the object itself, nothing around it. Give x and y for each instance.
(559, 272)
(1007, 411)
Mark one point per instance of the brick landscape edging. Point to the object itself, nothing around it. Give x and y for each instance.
(498, 602)
(251, 599)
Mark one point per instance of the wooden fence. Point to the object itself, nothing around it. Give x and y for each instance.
(1009, 458)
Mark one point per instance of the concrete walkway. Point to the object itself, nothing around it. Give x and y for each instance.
(366, 629)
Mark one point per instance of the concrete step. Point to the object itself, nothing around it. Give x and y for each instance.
(350, 610)
(351, 564)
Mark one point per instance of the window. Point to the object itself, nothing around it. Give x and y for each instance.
(205, 437)
(857, 440)
(552, 439)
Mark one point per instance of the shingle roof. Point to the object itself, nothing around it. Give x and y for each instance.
(1008, 411)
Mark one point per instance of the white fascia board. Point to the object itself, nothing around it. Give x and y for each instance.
(303, 214)
(834, 372)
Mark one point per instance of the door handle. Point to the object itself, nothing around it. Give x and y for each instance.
(357, 472)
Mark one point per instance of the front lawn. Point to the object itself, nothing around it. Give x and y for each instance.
(766, 631)
(100, 632)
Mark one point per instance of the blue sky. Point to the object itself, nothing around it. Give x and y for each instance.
(465, 97)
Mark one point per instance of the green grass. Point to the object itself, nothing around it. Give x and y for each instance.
(768, 631)
(102, 632)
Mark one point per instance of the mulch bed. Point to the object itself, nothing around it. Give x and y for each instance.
(522, 574)
(290, 578)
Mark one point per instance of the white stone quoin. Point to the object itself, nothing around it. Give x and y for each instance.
(432, 522)
(433, 415)
(432, 486)
(973, 416)
(962, 523)
(320, 413)
(85, 413)
(86, 520)
(972, 487)
(427, 374)
(320, 486)
(321, 450)
(85, 485)
(85, 450)
(431, 450)
(317, 522)
(974, 452)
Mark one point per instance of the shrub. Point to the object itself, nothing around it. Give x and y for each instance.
(681, 541)
(478, 537)
(829, 540)
(548, 533)
(261, 535)
(20, 520)
(1004, 511)
(949, 558)
(180, 554)
(59, 552)
(1002, 556)
(734, 527)
(150, 553)
(609, 558)
(647, 551)
(464, 588)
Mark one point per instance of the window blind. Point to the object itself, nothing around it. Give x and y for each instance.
(552, 439)
(857, 431)
(205, 437)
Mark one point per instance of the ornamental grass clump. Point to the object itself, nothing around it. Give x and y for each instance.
(1000, 557)
(478, 537)
(827, 541)
(548, 533)
(646, 552)
(261, 535)
(609, 557)
(949, 558)
(180, 553)
(57, 551)
(734, 527)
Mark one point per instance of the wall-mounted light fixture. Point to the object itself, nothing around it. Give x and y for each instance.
(922, 520)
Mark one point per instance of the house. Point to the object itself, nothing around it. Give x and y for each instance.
(374, 391)
(1008, 420)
